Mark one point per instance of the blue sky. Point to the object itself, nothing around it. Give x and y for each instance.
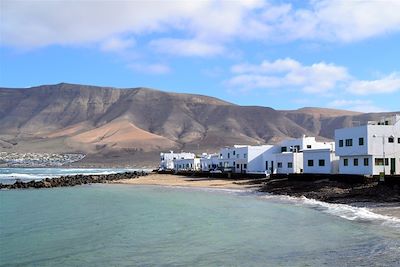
(281, 54)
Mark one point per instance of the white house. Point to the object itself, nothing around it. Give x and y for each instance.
(167, 159)
(209, 162)
(187, 164)
(322, 161)
(287, 156)
(243, 159)
(370, 149)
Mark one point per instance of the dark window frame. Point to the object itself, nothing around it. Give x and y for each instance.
(349, 142)
(321, 163)
(341, 143)
(310, 163)
(361, 141)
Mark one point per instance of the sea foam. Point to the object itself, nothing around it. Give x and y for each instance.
(348, 212)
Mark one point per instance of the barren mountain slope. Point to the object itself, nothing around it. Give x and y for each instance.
(104, 121)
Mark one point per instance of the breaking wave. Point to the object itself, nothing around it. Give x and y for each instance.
(352, 213)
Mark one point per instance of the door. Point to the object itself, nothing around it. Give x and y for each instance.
(392, 166)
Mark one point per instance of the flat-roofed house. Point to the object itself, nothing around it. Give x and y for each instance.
(370, 149)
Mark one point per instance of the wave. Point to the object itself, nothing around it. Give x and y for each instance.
(22, 176)
(352, 213)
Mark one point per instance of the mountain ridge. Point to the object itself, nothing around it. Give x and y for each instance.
(135, 122)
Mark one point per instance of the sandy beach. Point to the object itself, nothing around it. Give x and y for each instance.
(180, 180)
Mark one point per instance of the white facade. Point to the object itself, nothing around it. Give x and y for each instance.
(187, 164)
(323, 161)
(370, 149)
(243, 159)
(209, 162)
(167, 159)
(287, 156)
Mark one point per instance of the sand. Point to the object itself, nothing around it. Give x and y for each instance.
(179, 180)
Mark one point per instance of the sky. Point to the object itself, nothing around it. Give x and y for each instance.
(341, 54)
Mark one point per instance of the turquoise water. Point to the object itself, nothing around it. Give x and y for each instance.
(121, 225)
(9, 175)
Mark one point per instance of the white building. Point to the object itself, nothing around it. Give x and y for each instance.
(209, 162)
(287, 156)
(187, 164)
(243, 159)
(370, 149)
(322, 161)
(167, 159)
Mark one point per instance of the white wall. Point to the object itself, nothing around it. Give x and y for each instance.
(296, 159)
(187, 164)
(330, 161)
(352, 169)
(167, 159)
(376, 145)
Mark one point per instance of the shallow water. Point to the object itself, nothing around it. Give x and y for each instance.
(121, 225)
(9, 175)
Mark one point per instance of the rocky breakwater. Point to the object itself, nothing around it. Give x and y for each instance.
(73, 180)
(334, 191)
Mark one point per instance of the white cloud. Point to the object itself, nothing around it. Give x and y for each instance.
(288, 73)
(333, 20)
(356, 105)
(116, 45)
(186, 47)
(388, 84)
(156, 68)
(201, 24)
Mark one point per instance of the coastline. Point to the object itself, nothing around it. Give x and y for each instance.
(203, 182)
(325, 192)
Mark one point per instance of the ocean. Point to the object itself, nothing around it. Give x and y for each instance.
(10, 175)
(131, 225)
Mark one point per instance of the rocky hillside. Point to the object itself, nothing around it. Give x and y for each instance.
(108, 122)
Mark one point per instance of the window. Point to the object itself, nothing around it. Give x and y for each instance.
(283, 149)
(234, 152)
(237, 166)
(345, 162)
(244, 166)
(321, 162)
(308, 146)
(349, 142)
(355, 162)
(244, 155)
(361, 141)
(290, 165)
(366, 161)
(398, 140)
(237, 156)
(279, 164)
(266, 165)
(379, 161)
(229, 155)
(340, 143)
(310, 163)
(391, 139)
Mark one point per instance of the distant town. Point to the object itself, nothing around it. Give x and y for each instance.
(372, 149)
(13, 159)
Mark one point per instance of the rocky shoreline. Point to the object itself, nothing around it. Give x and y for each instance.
(73, 180)
(334, 191)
